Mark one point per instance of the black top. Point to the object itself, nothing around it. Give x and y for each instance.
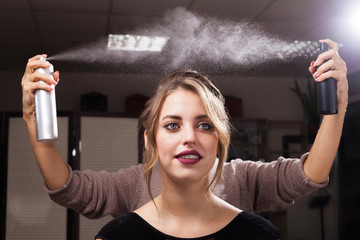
(244, 226)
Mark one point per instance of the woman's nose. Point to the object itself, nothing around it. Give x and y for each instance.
(189, 136)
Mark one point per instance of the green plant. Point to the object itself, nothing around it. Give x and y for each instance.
(308, 101)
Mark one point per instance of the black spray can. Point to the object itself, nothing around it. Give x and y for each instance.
(326, 91)
(45, 110)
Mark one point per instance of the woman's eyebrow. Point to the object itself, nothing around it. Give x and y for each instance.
(176, 117)
(172, 117)
(201, 116)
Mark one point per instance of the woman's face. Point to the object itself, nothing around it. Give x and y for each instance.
(186, 140)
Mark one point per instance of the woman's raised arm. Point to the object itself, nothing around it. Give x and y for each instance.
(53, 168)
(323, 152)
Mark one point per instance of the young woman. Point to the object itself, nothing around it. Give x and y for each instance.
(186, 127)
(248, 185)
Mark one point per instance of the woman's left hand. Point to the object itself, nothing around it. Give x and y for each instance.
(335, 68)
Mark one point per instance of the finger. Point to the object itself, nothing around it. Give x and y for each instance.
(332, 45)
(31, 87)
(325, 56)
(332, 51)
(42, 86)
(326, 66)
(56, 76)
(312, 68)
(37, 57)
(36, 77)
(338, 75)
(335, 63)
(324, 76)
(34, 63)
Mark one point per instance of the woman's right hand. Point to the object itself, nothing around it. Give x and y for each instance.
(52, 166)
(30, 83)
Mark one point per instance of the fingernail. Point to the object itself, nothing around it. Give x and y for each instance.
(315, 74)
(312, 63)
(316, 63)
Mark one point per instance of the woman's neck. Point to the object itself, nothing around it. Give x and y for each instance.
(187, 210)
(190, 212)
(185, 198)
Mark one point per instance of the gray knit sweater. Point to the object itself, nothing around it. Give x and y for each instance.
(249, 185)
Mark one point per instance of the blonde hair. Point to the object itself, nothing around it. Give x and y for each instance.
(213, 102)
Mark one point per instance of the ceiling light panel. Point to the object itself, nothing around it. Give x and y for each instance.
(136, 43)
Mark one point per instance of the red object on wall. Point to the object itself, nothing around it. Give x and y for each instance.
(234, 106)
(135, 103)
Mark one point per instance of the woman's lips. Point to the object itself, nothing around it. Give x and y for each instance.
(189, 157)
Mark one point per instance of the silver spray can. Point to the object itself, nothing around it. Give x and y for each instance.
(45, 110)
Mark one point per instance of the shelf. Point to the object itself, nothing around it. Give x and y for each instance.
(286, 125)
(248, 139)
(287, 138)
(257, 139)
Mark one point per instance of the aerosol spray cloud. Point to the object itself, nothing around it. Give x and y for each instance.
(193, 38)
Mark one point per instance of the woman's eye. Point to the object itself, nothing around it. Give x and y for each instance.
(171, 126)
(205, 126)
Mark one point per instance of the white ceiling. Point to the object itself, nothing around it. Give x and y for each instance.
(28, 27)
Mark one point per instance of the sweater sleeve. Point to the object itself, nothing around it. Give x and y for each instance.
(95, 194)
(263, 186)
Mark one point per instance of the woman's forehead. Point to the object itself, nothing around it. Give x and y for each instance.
(181, 102)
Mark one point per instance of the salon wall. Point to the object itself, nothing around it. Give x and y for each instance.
(262, 97)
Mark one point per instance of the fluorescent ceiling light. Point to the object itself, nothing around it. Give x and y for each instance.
(136, 43)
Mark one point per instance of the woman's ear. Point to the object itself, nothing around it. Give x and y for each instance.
(145, 139)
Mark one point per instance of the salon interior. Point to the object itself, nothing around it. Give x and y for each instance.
(111, 54)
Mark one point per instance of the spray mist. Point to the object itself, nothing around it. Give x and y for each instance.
(326, 91)
(45, 110)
